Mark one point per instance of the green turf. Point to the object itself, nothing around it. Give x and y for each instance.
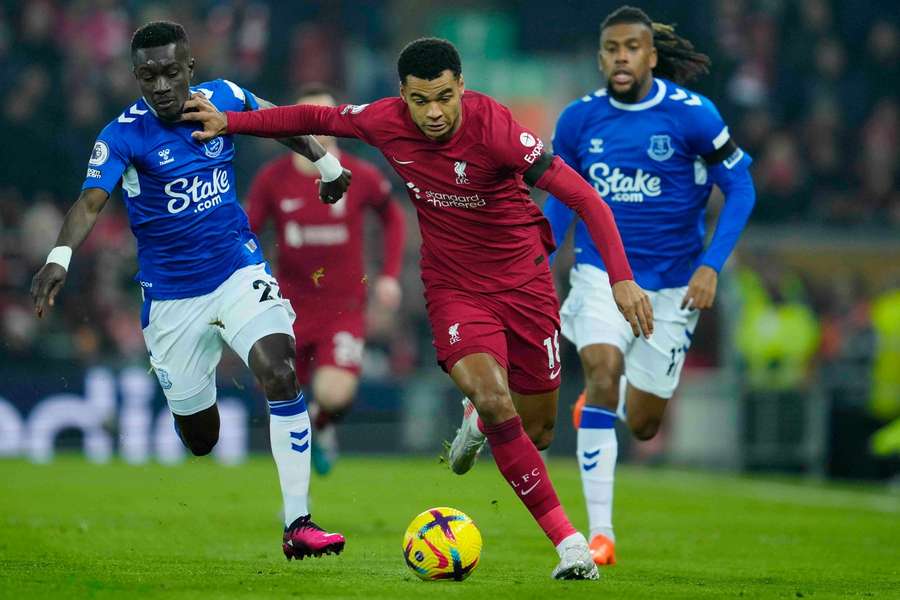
(73, 530)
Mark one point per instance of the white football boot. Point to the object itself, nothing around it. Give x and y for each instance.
(468, 441)
(575, 560)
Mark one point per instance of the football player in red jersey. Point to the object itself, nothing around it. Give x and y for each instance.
(488, 289)
(320, 262)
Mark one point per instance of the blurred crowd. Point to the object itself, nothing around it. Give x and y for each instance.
(808, 86)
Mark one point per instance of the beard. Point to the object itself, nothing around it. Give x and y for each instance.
(627, 96)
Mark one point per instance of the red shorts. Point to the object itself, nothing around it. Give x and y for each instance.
(336, 341)
(519, 328)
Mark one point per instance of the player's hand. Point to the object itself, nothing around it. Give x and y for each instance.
(388, 292)
(635, 306)
(333, 191)
(45, 286)
(199, 109)
(701, 292)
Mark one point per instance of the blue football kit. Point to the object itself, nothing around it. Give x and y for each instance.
(655, 162)
(191, 231)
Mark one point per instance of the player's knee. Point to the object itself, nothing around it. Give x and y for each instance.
(202, 444)
(541, 436)
(540, 433)
(493, 403)
(279, 380)
(603, 388)
(646, 428)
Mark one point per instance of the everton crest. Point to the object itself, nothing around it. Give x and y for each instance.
(660, 147)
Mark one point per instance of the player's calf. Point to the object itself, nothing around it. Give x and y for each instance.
(199, 432)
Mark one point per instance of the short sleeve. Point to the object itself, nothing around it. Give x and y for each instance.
(706, 131)
(514, 147)
(246, 99)
(109, 159)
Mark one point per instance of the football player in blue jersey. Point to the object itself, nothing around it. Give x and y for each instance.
(203, 276)
(653, 149)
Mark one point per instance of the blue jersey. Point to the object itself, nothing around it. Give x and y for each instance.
(654, 162)
(192, 233)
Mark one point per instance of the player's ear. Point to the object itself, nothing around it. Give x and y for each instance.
(191, 63)
(654, 57)
(403, 91)
(462, 84)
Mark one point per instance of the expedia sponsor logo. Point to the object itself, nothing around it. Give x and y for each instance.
(454, 200)
(535, 153)
(614, 185)
(202, 194)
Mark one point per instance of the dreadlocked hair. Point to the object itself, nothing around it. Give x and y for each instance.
(676, 58)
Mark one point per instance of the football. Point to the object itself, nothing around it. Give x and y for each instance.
(442, 543)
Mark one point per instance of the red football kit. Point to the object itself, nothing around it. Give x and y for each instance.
(485, 243)
(320, 255)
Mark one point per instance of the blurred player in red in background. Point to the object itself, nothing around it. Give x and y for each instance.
(489, 294)
(320, 265)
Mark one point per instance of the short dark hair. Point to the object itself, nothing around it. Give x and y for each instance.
(158, 33)
(626, 14)
(316, 88)
(427, 58)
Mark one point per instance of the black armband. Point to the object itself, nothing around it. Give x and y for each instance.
(539, 167)
(717, 156)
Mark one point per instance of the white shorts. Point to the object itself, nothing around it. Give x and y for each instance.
(184, 336)
(590, 316)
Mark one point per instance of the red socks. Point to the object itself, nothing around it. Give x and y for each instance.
(521, 465)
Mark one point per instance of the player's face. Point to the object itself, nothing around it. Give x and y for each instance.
(164, 76)
(434, 104)
(320, 100)
(627, 58)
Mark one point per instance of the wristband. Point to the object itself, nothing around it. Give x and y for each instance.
(329, 167)
(60, 255)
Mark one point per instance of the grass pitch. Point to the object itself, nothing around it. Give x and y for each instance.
(75, 530)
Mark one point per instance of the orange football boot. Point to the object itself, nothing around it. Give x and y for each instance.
(576, 410)
(603, 550)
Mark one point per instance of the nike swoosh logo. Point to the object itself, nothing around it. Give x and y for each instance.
(555, 374)
(528, 491)
(403, 162)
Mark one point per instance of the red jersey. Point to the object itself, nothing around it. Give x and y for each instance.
(480, 229)
(320, 246)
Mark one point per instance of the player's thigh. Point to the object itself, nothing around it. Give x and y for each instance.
(185, 348)
(589, 315)
(251, 309)
(334, 387)
(484, 381)
(654, 365)
(538, 413)
(531, 321)
(463, 324)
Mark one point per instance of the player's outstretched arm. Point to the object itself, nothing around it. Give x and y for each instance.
(335, 179)
(553, 175)
(78, 223)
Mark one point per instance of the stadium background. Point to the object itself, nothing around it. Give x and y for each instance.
(797, 369)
